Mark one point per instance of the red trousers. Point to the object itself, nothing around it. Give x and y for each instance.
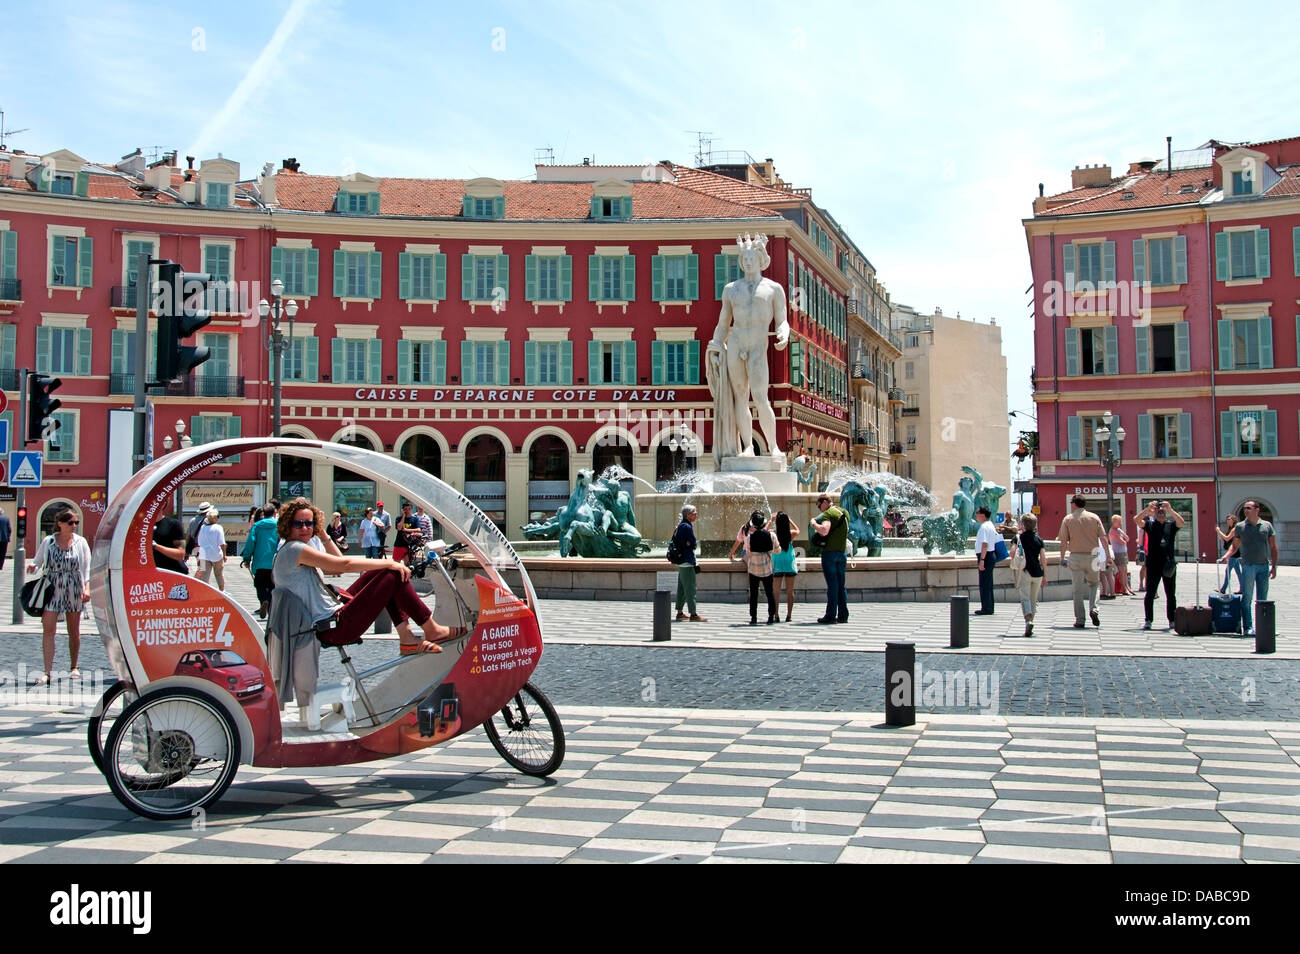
(371, 594)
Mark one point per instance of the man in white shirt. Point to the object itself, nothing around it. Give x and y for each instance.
(986, 541)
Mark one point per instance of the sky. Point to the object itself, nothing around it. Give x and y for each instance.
(924, 130)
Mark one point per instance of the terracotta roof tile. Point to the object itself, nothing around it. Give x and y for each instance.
(1147, 191)
(725, 187)
(524, 200)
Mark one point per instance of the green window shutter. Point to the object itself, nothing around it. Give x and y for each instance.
(1144, 436)
(626, 203)
(1180, 259)
(1139, 260)
(1266, 342)
(1184, 435)
(530, 363)
(372, 205)
(198, 432)
(1295, 248)
(440, 277)
(440, 362)
(340, 273)
(595, 207)
(1221, 257)
(595, 366)
(340, 201)
(337, 368)
(693, 362)
(1071, 352)
(629, 278)
(311, 358)
(503, 362)
(376, 274)
(83, 183)
(1262, 257)
(8, 350)
(466, 207)
(467, 277)
(796, 363)
(1074, 431)
(277, 263)
(566, 278)
(1182, 346)
(1225, 344)
(84, 351)
(1270, 433)
(656, 362)
(375, 361)
(629, 362)
(85, 262)
(1107, 261)
(43, 350)
(530, 278)
(313, 272)
(56, 252)
(234, 429)
(1111, 360)
(719, 275)
(1227, 434)
(403, 361)
(593, 277)
(1114, 436)
(467, 363)
(499, 207)
(9, 254)
(692, 278)
(657, 278)
(1142, 348)
(1067, 253)
(502, 279)
(403, 277)
(566, 362)
(118, 358)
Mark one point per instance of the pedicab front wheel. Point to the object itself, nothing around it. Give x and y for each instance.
(527, 732)
(171, 753)
(107, 711)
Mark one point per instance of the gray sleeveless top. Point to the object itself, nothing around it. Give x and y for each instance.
(304, 582)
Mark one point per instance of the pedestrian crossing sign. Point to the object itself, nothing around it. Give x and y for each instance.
(25, 468)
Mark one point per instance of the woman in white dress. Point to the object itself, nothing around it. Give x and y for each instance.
(64, 558)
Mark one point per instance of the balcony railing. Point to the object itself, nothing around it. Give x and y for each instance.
(194, 385)
(122, 296)
(896, 396)
(861, 372)
(11, 289)
(896, 448)
(865, 437)
(911, 412)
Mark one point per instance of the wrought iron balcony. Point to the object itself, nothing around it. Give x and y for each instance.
(861, 372)
(896, 448)
(896, 396)
(865, 437)
(11, 289)
(207, 385)
(911, 412)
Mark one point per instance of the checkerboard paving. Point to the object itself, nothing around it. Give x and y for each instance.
(690, 786)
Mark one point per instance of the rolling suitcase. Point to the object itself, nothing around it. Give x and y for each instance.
(1227, 612)
(1193, 621)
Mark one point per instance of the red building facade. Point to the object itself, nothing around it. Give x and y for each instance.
(502, 335)
(1169, 298)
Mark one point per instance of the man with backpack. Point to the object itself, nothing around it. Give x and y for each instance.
(832, 524)
(681, 551)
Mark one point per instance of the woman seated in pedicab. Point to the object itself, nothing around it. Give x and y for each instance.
(383, 584)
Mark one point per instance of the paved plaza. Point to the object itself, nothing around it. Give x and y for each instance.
(735, 743)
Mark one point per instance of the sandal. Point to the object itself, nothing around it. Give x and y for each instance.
(414, 649)
(42, 680)
(454, 633)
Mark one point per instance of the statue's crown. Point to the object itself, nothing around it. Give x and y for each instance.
(751, 241)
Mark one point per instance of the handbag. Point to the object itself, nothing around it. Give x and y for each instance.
(1000, 551)
(35, 594)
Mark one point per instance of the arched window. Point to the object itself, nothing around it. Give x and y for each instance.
(353, 493)
(422, 451)
(485, 483)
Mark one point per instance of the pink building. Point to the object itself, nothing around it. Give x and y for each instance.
(1169, 298)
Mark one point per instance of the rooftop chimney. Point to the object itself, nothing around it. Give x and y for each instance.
(1088, 176)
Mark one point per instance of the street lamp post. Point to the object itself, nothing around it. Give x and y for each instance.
(1106, 453)
(275, 343)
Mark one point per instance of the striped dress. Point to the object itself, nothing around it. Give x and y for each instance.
(64, 571)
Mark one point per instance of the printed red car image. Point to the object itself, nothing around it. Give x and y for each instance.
(225, 668)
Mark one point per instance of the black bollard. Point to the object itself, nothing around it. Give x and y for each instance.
(959, 622)
(1265, 627)
(663, 626)
(900, 684)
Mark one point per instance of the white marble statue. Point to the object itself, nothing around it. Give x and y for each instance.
(737, 356)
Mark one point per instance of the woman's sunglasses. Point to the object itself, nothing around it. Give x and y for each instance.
(303, 524)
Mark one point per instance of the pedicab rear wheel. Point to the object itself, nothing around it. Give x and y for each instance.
(171, 752)
(527, 732)
(107, 711)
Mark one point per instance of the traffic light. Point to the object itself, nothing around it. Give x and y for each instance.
(21, 522)
(179, 300)
(41, 425)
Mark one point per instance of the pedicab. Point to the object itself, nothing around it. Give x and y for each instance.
(194, 697)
